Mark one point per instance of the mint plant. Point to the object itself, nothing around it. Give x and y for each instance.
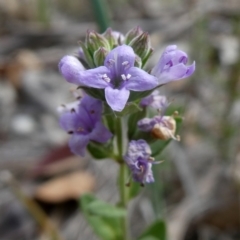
(117, 90)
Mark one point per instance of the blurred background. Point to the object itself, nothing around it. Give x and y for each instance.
(197, 187)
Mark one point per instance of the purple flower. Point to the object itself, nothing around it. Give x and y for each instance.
(84, 124)
(138, 158)
(172, 66)
(155, 100)
(118, 76)
(70, 67)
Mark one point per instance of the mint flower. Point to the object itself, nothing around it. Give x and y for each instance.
(172, 66)
(83, 122)
(118, 76)
(138, 158)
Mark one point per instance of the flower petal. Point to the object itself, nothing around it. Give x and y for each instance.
(149, 174)
(140, 80)
(176, 72)
(120, 59)
(96, 78)
(78, 118)
(190, 70)
(168, 55)
(78, 143)
(117, 98)
(100, 133)
(70, 67)
(146, 124)
(137, 149)
(93, 107)
(69, 121)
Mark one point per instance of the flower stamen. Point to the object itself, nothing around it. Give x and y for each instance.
(106, 78)
(124, 77)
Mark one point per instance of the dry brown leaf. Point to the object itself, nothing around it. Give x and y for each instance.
(66, 187)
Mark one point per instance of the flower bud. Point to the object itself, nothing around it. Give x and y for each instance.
(99, 56)
(88, 58)
(135, 32)
(166, 129)
(94, 41)
(141, 45)
(114, 38)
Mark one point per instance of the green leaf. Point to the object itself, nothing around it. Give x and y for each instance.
(131, 107)
(110, 121)
(149, 238)
(134, 190)
(104, 227)
(101, 208)
(94, 92)
(156, 230)
(99, 151)
(158, 146)
(132, 122)
(139, 95)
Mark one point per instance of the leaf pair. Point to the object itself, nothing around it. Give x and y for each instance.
(105, 219)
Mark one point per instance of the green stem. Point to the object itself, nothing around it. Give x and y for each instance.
(119, 137)
(123, 194)
(101, 13)
(123, 190)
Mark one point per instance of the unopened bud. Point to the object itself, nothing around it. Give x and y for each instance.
(94, 41)
(87, 55)
(141, 45)
(114, 38)
(135, 32)
(99, 56)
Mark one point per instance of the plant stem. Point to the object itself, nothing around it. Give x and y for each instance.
(123, 194)
(101, 12)
(123, 190)
(119, 137)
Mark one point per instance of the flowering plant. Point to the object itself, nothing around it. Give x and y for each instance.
(116, 89)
